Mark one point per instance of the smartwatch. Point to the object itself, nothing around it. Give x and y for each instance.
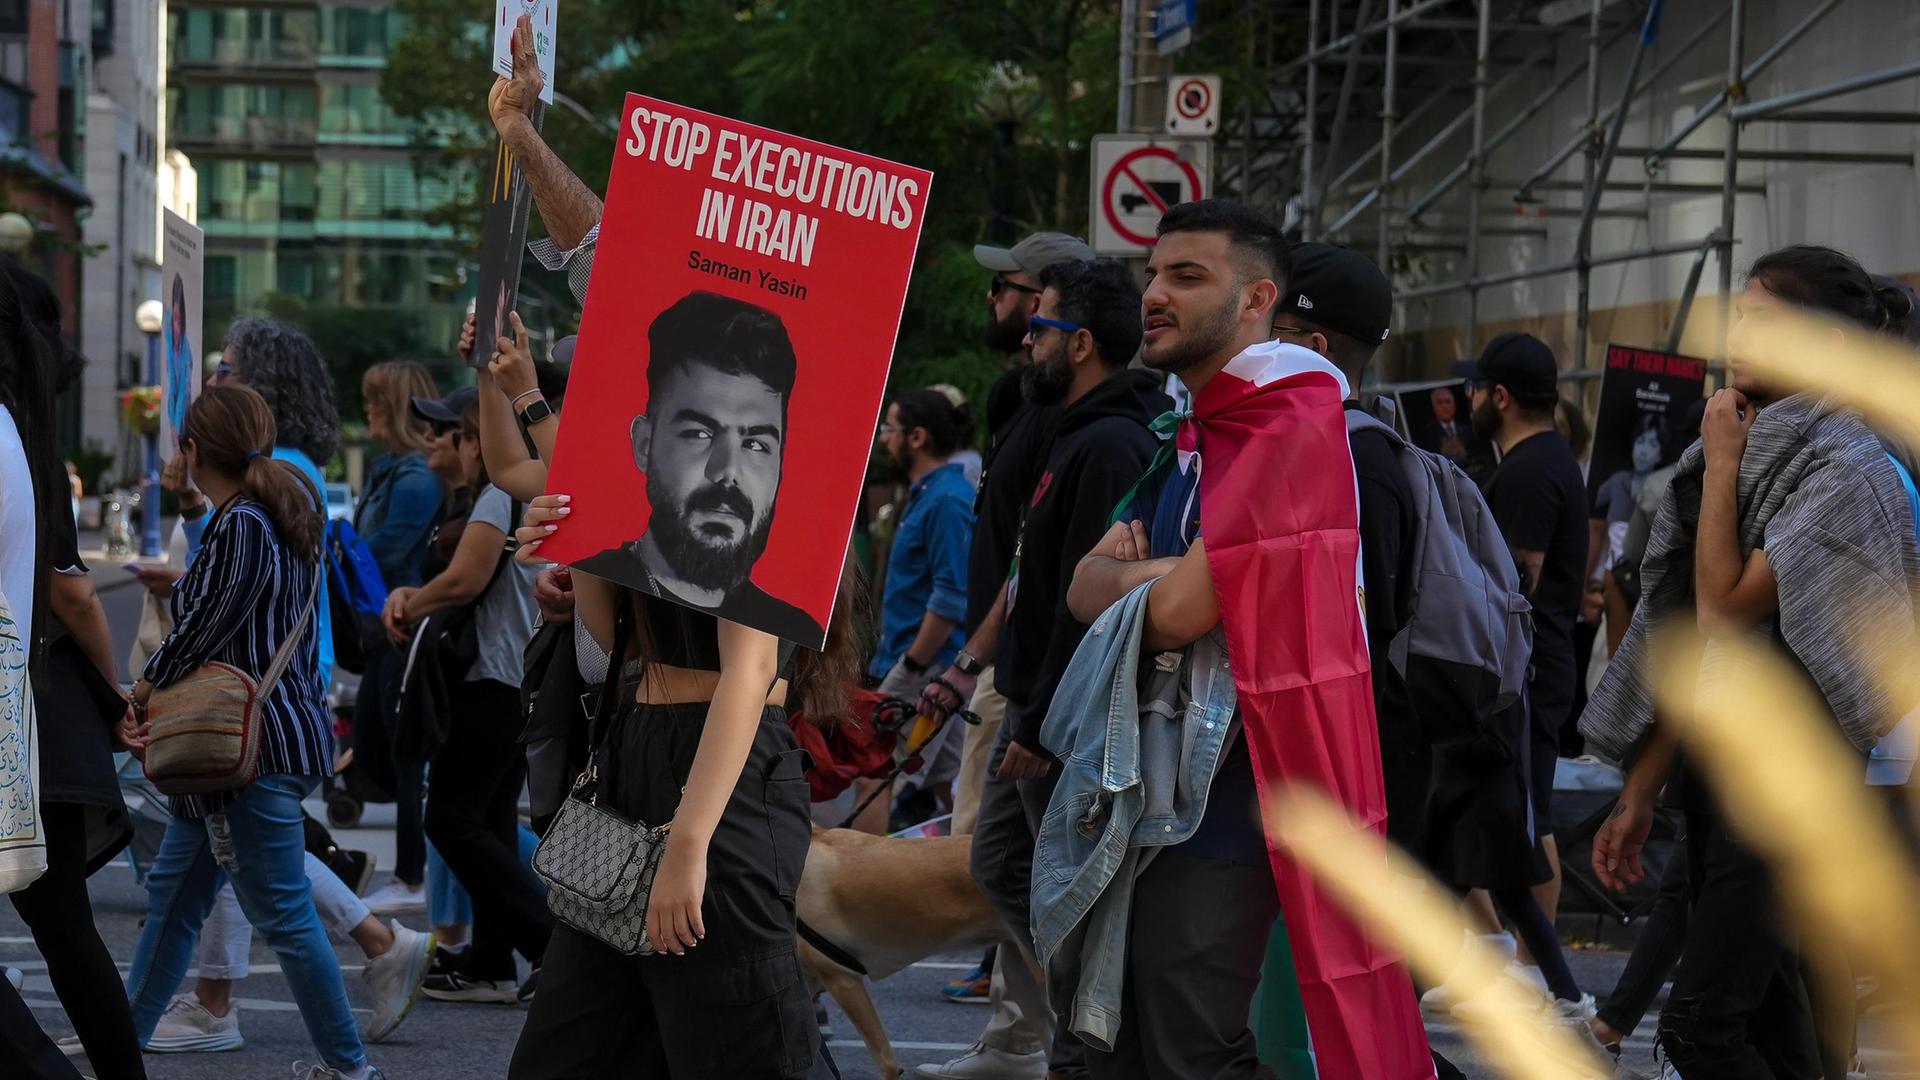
(535, 412)
(966, 664)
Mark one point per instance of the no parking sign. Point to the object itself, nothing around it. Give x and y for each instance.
(1135, 179)
(1193, 104)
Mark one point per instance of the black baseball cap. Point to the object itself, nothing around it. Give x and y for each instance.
(446, 410)
(1520, 362)
(1034, 254)
(1340, 289)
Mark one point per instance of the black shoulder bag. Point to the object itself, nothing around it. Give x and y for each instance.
(445, 646)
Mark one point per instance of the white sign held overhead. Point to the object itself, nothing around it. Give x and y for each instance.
(1193, 104)
(541, 13)
(1136, 178)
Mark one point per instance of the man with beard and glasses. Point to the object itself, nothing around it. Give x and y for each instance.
(712, 443)
(1262, 620)
(925, 596)
(1086, 332)
(1018, 436)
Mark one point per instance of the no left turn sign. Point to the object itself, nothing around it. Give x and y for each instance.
(1135, 179)
(1193, 104)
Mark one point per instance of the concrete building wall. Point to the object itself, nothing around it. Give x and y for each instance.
(132, 178)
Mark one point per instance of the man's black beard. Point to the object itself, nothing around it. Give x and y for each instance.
(1486, 420)
(1007, 335)
(696, 559)
(1205, 338)
(1046, 382)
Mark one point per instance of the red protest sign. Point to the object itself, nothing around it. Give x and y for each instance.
(732, 358)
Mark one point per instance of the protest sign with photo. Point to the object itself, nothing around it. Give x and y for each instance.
(181, 346)
(1434, 416)
(541, 14)
(1644, 398)
(503, 241)
(731, 364)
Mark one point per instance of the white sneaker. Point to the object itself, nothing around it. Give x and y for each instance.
(986, 1063)
(395, 898)
(1443, 998)
(304, 1071)
(1577, 1018)
(188, 1028)
(1528, 976)
(395, 977)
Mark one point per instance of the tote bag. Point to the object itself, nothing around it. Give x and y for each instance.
(23, 840)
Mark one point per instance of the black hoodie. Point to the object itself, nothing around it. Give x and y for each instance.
(1101, 447)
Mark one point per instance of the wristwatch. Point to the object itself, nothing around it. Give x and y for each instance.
(539, 410)
(914, 667)
(966, 664)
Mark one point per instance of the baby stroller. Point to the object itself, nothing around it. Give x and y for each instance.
(349, 789)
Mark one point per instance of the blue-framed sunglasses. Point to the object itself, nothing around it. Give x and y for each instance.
(1036, 324)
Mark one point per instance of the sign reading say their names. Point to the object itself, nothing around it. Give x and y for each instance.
(1193, 104)
(1136, 178)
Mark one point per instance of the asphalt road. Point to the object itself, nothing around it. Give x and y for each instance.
(444, 1041)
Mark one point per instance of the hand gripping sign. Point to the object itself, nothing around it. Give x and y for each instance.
(732, 357)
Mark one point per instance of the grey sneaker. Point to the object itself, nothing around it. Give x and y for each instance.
(188, 1028)
(395, 978)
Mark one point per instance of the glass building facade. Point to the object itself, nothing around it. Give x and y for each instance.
(308, 182)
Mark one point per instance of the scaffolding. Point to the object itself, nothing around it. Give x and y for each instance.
(1392, 52)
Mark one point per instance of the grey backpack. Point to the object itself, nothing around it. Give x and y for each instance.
(1468, 639)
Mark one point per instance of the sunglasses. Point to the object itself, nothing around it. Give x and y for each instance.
(222, 372)
(1001, 284)
(1037, 324)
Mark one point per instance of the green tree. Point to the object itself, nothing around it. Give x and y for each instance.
(998, 98)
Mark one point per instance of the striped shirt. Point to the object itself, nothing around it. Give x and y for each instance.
(238, 601)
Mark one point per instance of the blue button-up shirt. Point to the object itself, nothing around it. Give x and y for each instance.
(927, 570)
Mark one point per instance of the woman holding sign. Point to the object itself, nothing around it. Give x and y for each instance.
(698, 739)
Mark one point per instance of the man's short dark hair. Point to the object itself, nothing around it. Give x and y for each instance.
(1254, 236)
(1102, 296)
(1348, 353)
(730, 336)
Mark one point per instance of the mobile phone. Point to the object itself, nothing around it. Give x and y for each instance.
(132, 567)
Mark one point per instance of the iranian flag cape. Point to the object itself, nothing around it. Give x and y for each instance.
(1280, 513)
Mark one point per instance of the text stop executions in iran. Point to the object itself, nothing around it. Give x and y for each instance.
(740, 160)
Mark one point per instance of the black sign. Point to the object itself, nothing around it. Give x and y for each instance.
(503, 241)
(1642, 423)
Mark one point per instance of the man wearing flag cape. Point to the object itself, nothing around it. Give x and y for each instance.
(1263, 460)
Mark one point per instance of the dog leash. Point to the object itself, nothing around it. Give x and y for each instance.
(828, 949)
(892, 714)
